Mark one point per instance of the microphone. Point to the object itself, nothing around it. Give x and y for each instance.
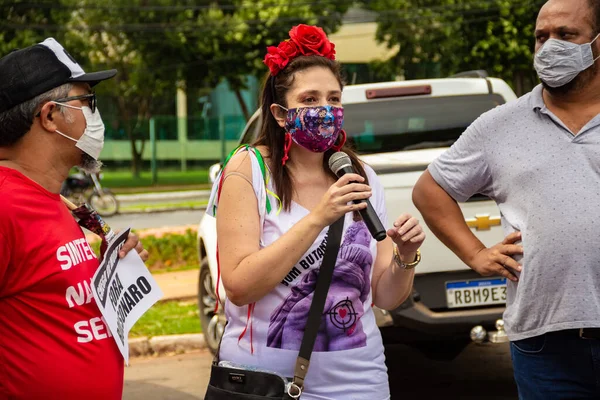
(340, 164)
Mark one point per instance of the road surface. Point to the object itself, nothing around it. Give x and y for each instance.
(481, 372)
(155, 220)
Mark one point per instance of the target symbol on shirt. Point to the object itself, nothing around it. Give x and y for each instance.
(343, 315)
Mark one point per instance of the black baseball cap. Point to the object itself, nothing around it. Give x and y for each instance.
(29, 72)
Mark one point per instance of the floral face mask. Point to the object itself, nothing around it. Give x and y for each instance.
(315, 128)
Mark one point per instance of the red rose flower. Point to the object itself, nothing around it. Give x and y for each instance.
(312, 40)
(304, 40)
(274, 60)
(329, 50)
(288, 48)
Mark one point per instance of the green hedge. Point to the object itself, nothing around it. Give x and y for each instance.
(169, 252)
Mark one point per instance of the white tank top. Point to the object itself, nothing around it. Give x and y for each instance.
(348, 358)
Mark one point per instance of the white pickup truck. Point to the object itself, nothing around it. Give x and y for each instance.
(398, 128)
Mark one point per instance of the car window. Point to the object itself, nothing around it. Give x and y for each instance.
(405, 124)
(410, 124)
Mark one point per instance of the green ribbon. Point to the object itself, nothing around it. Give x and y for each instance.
(261, 163)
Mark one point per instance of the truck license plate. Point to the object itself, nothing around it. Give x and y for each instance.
(478, 292)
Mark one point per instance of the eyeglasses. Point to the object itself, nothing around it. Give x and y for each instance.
(90, 97)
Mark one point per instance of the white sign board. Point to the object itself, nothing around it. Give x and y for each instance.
(124, 290)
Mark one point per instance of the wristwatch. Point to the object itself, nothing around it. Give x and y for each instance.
(404, 265)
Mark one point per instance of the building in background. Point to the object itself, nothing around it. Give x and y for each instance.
(356, 47)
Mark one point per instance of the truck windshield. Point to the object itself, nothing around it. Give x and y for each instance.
(411, 124)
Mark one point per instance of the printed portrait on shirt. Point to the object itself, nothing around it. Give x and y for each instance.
(341, 327)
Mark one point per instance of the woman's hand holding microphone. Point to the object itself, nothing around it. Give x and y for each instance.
(407, 233)
(338, 200)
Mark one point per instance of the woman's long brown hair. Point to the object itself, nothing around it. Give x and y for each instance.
(273, 136)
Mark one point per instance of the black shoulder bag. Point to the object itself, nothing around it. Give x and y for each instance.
(243, 384)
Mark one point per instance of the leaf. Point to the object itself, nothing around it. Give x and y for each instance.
(495, 35)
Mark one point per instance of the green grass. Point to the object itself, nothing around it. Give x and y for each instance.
(124, 179)
(168, 318)
(174, 269)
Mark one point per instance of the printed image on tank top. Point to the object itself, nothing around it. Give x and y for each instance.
(343, 316)
(341, 327)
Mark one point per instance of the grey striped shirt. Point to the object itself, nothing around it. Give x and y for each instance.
(546, 182)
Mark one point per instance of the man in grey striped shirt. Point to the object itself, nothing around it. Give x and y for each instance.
(539, 158)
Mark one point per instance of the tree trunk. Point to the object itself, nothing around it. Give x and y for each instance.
(136, 157)
(142, 116)
(244, 107)
(136, 160)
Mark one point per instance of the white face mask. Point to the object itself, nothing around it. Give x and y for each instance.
(92, 140)
(558, 62)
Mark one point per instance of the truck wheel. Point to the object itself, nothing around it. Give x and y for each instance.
(212, 323)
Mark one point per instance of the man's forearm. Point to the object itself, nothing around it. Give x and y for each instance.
(445, 218)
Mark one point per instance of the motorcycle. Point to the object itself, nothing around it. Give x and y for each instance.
(81, 187)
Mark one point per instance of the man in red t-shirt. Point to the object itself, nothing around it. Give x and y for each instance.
(54, 343)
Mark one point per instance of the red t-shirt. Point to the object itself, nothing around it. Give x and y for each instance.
(54, 343)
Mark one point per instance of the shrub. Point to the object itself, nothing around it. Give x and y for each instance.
(169, 251)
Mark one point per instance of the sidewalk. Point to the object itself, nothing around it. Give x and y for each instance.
(181, 285)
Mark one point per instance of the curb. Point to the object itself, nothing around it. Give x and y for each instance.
(184, 297)
(159, 345)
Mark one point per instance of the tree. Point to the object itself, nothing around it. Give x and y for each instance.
(22, 25)
(254, 25)
(159, 44)
(144, 43)
(439, 38)
(97, 46)
(507, 48)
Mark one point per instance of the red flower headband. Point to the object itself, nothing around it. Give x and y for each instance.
(305, 40)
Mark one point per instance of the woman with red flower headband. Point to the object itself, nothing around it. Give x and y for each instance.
(269, 256)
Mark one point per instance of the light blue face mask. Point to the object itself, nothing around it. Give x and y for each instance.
(558, 62)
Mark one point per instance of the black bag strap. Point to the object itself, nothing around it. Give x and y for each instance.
(334, 238)
(315, 314)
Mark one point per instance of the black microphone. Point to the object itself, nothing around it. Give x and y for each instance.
(340, 164)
